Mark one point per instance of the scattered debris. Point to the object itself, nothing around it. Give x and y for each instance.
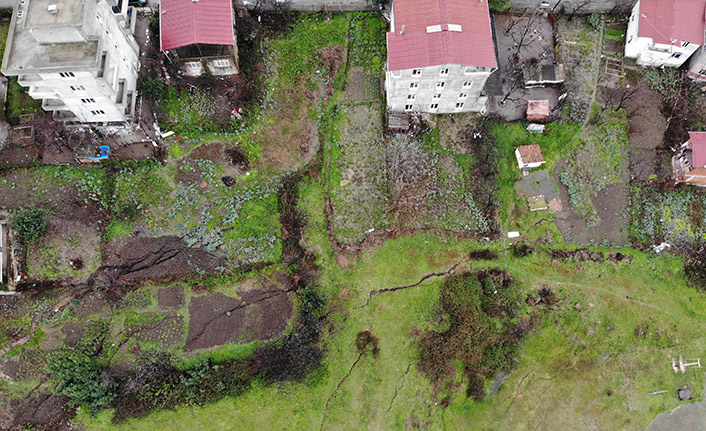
(683, 364)
(685, 394)
(661, 247)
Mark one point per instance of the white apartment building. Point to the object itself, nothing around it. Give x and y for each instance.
(665, 32)
(440, 53)
(78, 56)
(697, 65)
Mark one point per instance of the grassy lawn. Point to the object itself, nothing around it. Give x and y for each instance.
(596, 361)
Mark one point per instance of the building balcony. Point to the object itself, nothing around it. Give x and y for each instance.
(53, 105)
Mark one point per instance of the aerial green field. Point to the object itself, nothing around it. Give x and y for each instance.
(591, 362)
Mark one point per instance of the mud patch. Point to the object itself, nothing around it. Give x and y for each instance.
(217, 319)
(580, 255)
(46, 412)
(73, 333)
(483, 255)
(170, 297)
(142, 259)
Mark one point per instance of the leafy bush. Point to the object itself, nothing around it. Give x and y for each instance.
(595, 21)
(153, 88)
(499, 5)
(481, 328)
(29, 224)
(81, 369)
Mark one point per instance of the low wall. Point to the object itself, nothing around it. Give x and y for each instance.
(569, 6)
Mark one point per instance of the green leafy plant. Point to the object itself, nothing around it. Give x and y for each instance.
(29, 224)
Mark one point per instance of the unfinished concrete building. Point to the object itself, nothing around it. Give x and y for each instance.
(78, 56)
(665, 32)
(440, 53)
(199, 35)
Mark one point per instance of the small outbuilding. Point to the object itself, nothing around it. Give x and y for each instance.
(529, 157)
(538, 110)
(689, 162)
(199, 35)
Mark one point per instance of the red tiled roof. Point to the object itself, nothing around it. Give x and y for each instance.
(530, 153)
(698, 149)
(186, 22)
(672, 21)
(413, 47)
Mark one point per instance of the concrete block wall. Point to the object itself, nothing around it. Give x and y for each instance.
(570, 6)
(579, 6)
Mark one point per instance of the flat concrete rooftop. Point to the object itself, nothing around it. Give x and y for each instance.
(69, 12)
(24, 54)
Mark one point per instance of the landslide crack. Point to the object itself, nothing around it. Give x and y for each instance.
(373, 293)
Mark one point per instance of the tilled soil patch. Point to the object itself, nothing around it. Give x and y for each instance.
(73, 333)
(166, 331)
(46, 412)
(217, 319)
(142, 259)
(170, 297)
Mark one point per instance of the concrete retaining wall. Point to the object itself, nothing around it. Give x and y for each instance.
(570, 6)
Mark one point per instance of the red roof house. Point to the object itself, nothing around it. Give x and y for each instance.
(437, 32)
(188, 22)
(200, 35)
(671, 21)
(689, 162)
(697, 142)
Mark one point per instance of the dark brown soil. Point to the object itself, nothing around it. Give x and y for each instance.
(141, 259)
(617, 256)
(483, 254)
(73, 333)
(580, 254)
(170, 297)
(136, 151)
(45, 412)
(217, 319)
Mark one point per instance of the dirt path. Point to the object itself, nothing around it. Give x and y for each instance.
(597, 73)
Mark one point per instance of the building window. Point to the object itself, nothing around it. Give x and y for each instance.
(413, 85)
(416, 72)
(463, 95)
(98, 112)
(467, 84)
(408, 107)
(77, 88)
(437, 96)
(630, 40)
(89, 100)
(471, 69)
(411, 96)
(434, 106)
(459, 105)
(67, 74)
(221, 62)
(444, 72)
(676, 55)
(684, 44)
(440, 84)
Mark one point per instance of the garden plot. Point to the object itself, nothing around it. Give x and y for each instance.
(594, 177)
(71, 200)
(676, 217)
(579, 49)
(358, 178)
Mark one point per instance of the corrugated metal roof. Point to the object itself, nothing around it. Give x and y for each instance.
(186, 22)
(670, 22)
(410, 44)
(698, 149)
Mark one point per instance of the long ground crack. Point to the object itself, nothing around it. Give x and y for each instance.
(375, 292)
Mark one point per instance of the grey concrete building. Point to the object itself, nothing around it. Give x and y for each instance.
(78, 56)
(440, 53)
